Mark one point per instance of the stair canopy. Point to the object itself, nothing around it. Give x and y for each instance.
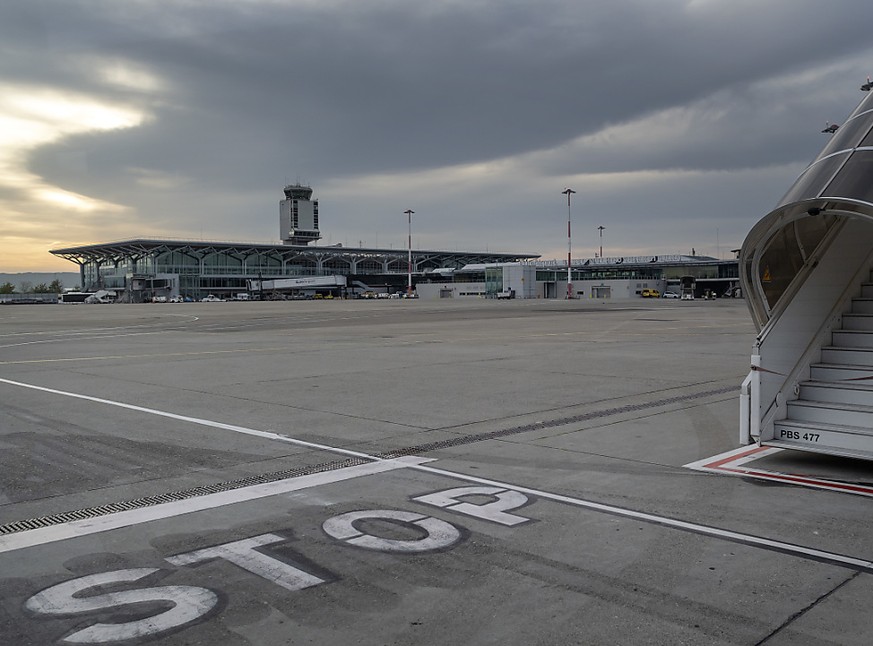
(837, 184)
(802, 268)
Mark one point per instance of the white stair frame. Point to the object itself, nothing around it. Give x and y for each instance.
(801, 324)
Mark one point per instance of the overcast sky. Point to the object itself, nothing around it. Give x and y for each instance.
(679, 123)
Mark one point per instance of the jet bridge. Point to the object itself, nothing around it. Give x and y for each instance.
(805, 270)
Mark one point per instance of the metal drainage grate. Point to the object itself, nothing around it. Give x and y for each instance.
(148, 501)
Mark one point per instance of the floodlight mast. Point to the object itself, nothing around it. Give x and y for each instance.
(568, 192)
(409, 213)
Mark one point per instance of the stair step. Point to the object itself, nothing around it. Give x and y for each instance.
(822, 438)
(858, 322)
(840, 372)
(852, 338)
(862, 305)
(838, 392)
(847, 356)
(840, 413)
(867, 290)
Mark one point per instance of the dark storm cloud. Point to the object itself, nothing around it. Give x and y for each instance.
(367, 87)
(256, 93)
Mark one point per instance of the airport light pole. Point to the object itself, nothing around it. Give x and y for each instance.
(601, 228)
(568, 192)
(409, 213)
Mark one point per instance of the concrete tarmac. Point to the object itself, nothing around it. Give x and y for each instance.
(407, 472)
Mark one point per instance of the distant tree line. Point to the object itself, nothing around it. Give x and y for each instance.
(54, 287)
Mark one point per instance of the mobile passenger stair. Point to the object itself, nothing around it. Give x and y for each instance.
(834, 407)
(806, 273)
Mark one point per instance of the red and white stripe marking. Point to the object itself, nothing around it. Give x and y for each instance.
(732, 463)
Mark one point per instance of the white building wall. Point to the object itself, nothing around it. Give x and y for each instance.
(305, 217)
(616, 289)
(284, 219)
(434, 291)
(522, 279)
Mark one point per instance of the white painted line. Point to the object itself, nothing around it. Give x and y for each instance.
(195, 420)
(97, 330)
(110, 357)
(415, 464)
(90, 338)
(74, 529)
(705, 530)
(64, 336)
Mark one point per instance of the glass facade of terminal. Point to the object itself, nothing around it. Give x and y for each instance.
(699, 268)
(196, 269)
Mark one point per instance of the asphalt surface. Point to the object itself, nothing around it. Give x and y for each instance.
(406, 472)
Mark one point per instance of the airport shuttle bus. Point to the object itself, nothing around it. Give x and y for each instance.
(805, 270)
(74, 297)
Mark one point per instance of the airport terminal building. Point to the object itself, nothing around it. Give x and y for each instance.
(592, 278)
(141, 270)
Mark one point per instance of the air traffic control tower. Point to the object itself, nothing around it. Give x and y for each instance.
(298, 216)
